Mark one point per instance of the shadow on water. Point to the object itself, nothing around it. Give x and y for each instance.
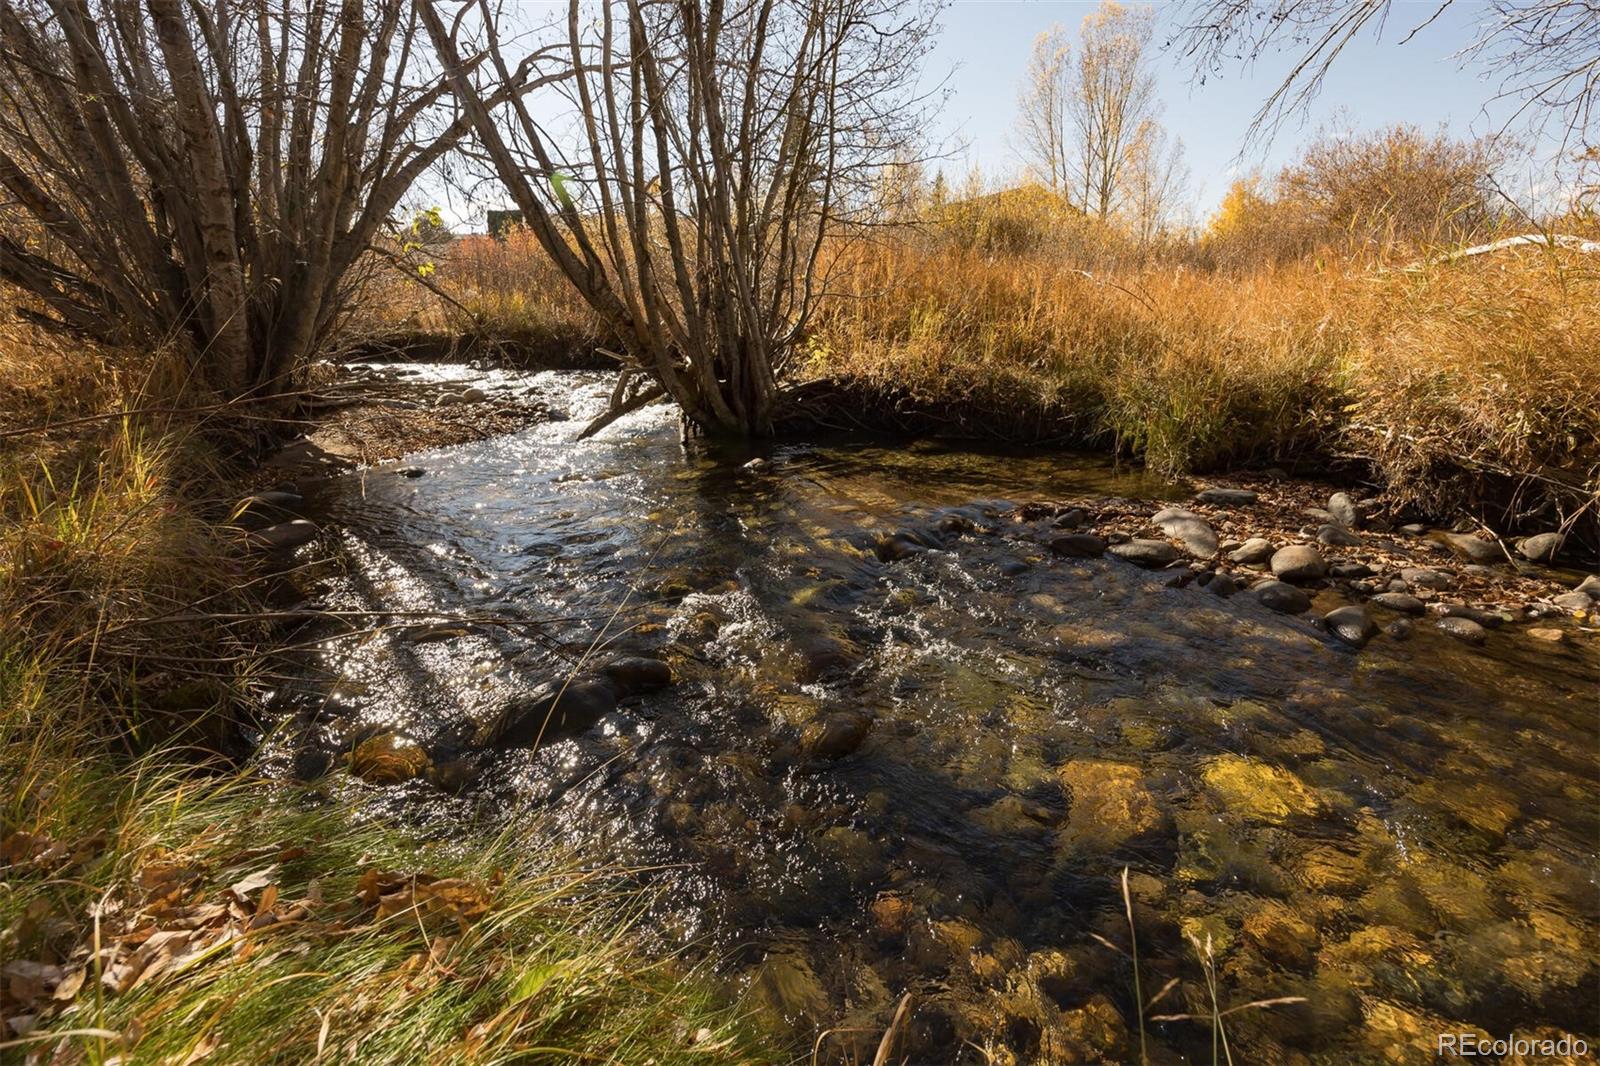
(1404, 837)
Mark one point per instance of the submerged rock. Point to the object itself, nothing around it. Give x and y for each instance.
(285, 536)
(1299, 563)
(899, 545)
(1258, 791)
(1110, 805)
(1282, 935)
(637, 673)
(1285, 599)
(835, 735)
(1487, 619)
(555, 708)
(1351, 625)
(1550, 636)
(1151, 554)
(388, 759)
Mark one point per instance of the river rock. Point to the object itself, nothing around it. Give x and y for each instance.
(788, 988)
(1541, 547)
(1549, 636)
(1351, 625)
(1258, 791)
(637, 673)
(1349, 570)
(1590, 586)
(1463, 629)
(447, 399)
(1343, 509)
(1399, 629)
(1282, 935)
(410, 471)
(1285, 599)
(1188, 528)
(1253, 552)
(1109, 805)
(1475, 548)
(1151, 554)
(835, 735)
(263, 508)
(1072, 518)
(1336, 535)
(1226, 497)
(1399, 601)
(1298, 563)
(1223, 585)
(1574, 601)
(899, 545)
(1418, 577)
(388, 759)
(555, 708)
(473, 394)
(285, 536)
(1487, 619)
(1078, 545)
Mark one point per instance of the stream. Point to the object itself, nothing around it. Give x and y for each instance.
(1401, 840)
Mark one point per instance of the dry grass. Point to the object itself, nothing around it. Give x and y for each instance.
(1467, 385)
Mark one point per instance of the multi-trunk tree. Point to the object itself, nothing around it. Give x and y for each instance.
(709, 150)
(210, 175)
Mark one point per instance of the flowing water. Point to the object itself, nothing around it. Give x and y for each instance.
(1405, 837)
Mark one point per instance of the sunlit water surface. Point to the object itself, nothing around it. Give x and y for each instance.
(1405, 837)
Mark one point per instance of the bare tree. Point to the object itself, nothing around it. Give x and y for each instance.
(1153, 181)
(1042, 109)
(1545, 54)
(718, 145)
(208, 173)
(1113, 97)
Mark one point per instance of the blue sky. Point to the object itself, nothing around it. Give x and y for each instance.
(984, 49)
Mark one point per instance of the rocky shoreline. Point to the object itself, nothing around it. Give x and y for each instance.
(1280, 542)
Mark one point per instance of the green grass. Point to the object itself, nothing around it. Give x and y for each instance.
(124, 838)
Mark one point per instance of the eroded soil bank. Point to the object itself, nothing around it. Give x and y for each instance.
(915, 707)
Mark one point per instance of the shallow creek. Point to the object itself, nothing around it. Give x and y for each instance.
(1404, 836)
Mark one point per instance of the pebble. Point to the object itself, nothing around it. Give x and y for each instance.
(1253, 552)
(1146, 553)
(1463, 629)
(1227, 497)
(1399, 629)
(474, 395)
(1415, 529)
(1286, 599)
(1072, 518)
(1351, 625)
(1399, 601)
(1078, 545)
(1350, 570)
(1222, 585)
(1553, 636)
(1298, 563)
